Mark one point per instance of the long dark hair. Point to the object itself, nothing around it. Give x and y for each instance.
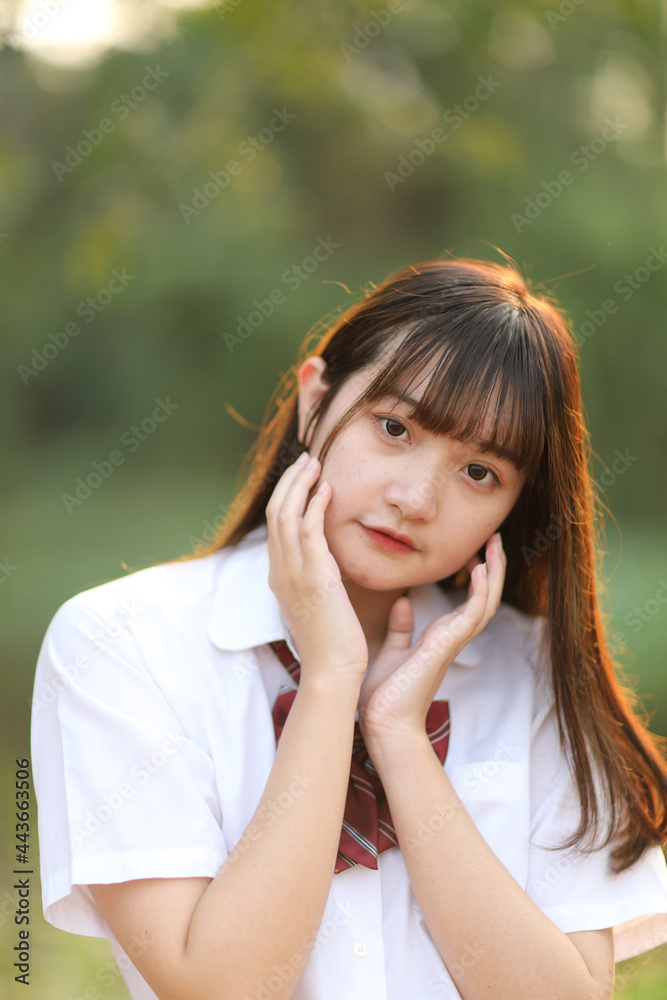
(495, 339)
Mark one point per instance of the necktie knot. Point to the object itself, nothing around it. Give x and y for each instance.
(367, 825)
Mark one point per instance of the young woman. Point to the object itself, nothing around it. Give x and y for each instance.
(369, 743)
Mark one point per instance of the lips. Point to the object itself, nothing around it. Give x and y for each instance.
(389, 539)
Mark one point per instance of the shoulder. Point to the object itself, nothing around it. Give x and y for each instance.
(152, 616)
(145, 637)
(165, 590)
(158, 591)
(112, 640)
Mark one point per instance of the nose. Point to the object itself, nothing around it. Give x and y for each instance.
(415, 491)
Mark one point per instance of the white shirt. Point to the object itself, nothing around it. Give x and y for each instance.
(153, 739)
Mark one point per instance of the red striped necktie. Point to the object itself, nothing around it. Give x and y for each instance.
(367, 826)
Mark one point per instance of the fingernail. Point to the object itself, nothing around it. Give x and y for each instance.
(302, 459)
(322, 487)
(311, 463)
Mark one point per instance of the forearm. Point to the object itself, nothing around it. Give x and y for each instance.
(264, 907)
(491, 936)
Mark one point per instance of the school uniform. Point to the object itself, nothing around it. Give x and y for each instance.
(153, 739)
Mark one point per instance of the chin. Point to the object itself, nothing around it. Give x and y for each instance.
(364, 575)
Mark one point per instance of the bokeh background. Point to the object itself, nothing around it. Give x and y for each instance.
(167, 172)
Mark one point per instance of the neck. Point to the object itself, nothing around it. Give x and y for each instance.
(372, 608)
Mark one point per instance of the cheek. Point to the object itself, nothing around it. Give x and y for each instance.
(469, 536)
(345, 468)
(346, 498)
(482, 529)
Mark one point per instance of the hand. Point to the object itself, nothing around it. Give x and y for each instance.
(306, 579)
(401, 682)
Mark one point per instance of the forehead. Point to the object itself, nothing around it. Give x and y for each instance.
(493, 418)
(484, 435)
(411, 390)
(485, 380)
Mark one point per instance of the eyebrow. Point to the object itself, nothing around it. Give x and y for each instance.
(486, 447)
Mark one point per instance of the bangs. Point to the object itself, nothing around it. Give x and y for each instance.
(487, 389)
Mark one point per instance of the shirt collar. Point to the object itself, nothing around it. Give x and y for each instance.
(245, 612)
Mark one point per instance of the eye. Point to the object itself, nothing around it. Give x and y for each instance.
(478, 472)
(394, 427)
(486, 478)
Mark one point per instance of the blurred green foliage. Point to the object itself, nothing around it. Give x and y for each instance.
(118, 184)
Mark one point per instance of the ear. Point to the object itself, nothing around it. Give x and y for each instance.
(311, 389)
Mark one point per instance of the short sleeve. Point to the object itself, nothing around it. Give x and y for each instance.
(122, 792)
(577, 890)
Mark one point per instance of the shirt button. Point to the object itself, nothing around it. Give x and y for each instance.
(360, 949)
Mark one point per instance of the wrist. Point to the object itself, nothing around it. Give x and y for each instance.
(392, 744)
(335, 686)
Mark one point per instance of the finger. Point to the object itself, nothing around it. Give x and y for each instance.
(470, 565)
(486, 584)
(287, 507)
(400, 626)
(475, 607)
(468, 619)
(445, 637)
(474, 561)
(282, 486)
(496, 562)
(313, 540)
(295, 505)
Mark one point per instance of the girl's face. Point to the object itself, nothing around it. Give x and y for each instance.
(387, 472)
